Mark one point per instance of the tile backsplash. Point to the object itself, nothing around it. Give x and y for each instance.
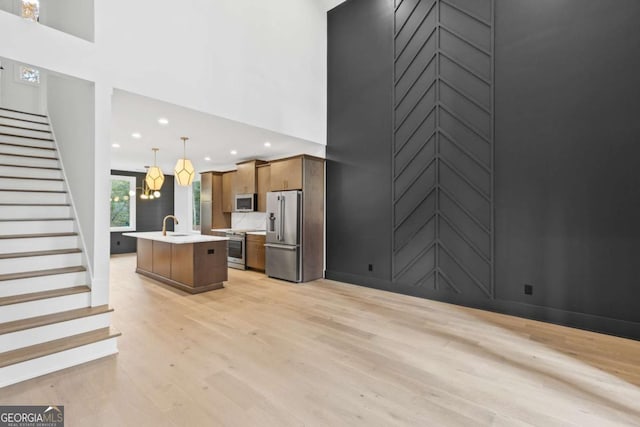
(249, 220)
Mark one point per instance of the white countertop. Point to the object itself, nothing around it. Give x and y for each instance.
(175, 238)
(257, 233)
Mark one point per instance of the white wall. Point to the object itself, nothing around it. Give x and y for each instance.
(71, 16)
(20, 95)
(71, 107)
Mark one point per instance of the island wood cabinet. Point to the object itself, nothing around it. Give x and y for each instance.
(192, 267)
(264, 183)
(255, 251)
(212, 214)
(228, 196)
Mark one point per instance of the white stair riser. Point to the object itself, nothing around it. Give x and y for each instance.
(8, 228)
(38, 244)
(9, 313)
(30, 172)
(25, 142)
(29, 197)
(28, 151)
(19, 211)
(54, 331)
(23, 116)
(24, 132)
(43, 283)
(18, 265)
(31, 184)
(27, 161)
(16, 122)
(36, 367)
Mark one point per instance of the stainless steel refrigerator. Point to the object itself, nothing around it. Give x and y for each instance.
(284, 235)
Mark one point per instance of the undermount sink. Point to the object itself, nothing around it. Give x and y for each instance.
(176, 235)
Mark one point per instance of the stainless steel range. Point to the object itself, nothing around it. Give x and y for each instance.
(236, 257)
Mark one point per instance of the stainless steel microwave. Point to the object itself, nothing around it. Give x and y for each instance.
(246, 202)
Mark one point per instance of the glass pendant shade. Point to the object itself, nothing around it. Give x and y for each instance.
(155, 177)
(184, 171)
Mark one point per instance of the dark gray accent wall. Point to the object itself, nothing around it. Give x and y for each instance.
(358, 217)
(149, 213)
(515, 155)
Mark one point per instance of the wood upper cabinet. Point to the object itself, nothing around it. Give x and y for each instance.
(264, 184)
(247, 177)
(286, 174)
(228, 195)
(211, 203)
(255, 251)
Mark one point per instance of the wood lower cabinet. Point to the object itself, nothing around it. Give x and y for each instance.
(192, 267)
(255, 252)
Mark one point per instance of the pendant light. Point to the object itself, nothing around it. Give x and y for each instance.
(184, 169)
(155, 177)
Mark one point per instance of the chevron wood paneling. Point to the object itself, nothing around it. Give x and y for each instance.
(443, 146)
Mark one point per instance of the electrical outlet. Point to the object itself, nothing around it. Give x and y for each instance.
(118, 243)
(528, 289)
(370, 267)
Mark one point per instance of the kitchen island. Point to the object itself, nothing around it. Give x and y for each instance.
(192, 262)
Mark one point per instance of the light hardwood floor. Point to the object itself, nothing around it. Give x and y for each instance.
(267, 353)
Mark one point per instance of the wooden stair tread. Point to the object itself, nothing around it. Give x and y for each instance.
(30, 177)
(49, 319)
(34, 204)
(30, 167)
(20, 190)
(40, 253)
(24, 128)
(23, 112)
(34, 219)
(35, 296)
(29, 156)
(26, 137)
(23, 120)
(40, 273)
(11, 144)
(37, 236)
(50, 347)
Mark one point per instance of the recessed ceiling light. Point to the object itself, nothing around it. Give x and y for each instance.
(234, 152)
(267, 144)
(115, 145)
(208, 159)
(136, 135)
(163, 121)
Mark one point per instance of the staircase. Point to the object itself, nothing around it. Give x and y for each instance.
(47, 322)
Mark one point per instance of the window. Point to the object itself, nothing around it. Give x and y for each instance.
(31, 10)
(195, 200)
(123, 203)
(29, 75)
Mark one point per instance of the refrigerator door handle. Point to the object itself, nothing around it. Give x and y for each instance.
(281, 237)
(278, 215)
(276, 246)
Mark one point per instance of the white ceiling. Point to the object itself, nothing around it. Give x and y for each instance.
(209, 136)
(330, 4)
